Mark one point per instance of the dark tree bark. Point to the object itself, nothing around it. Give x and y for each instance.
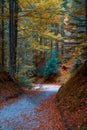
(11, 38)
(41, 51)
(15, 28)
(2, 32)
(86, 15)
(57, 44)
(62, 49)
(51, 48)
(13, 6)
(45, 51)
(57, 48)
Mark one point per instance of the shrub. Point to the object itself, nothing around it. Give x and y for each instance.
(25, 82)
(51, 67)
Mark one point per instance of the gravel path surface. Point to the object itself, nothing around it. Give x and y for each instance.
(20, 114)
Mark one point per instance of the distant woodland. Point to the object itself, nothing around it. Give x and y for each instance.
(37, 36)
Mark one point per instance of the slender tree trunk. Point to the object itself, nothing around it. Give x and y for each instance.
(57, 48)
(41, 51)
(57, 44)
(62, 32)
(12, 44)
(62, 49)
(36, 51)
(45, 51)
(2, 32)
(86, 15)
(51, 48)
(15, 28)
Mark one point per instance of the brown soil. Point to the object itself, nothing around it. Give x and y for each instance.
(72, 99)
(9, 88)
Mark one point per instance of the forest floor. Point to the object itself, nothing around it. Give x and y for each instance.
(38, 109)
(33, 111)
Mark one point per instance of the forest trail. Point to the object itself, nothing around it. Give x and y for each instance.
(20, 115)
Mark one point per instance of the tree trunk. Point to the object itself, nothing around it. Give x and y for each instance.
(41, 51)
(57, 44)
(57, 48)
(15, 28)
(86, 15)
(12, 44)
(51, 48)
(62, 49)
(2, 32)
(45, 51)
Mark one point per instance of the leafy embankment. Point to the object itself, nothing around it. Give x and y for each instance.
(9, 88)
(72, 97)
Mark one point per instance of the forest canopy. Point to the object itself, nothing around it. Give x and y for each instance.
(34, 31)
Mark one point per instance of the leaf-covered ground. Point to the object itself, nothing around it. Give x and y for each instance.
(32, 111)
(72, 99)
(45, 110)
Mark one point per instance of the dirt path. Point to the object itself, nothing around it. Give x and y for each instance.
(21, 114)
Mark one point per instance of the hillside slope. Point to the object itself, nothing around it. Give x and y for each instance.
(9, 88)
(72, 98)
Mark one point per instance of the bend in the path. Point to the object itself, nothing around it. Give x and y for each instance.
(24, 106)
